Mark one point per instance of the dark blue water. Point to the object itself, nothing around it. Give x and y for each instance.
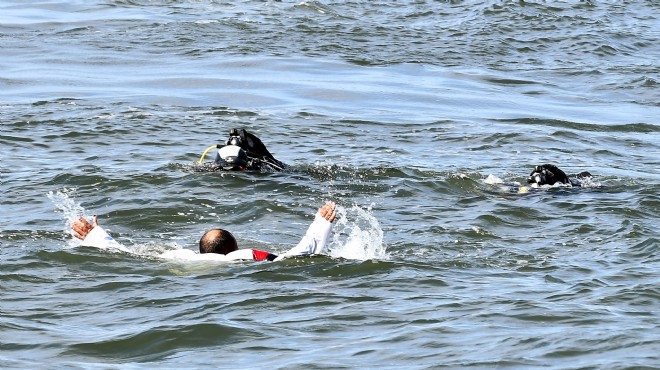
(420, 119)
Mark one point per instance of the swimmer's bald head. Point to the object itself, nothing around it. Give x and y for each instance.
(217, 241)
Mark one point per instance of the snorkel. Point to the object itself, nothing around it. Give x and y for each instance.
(201, 159)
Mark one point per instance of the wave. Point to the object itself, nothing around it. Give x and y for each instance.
(643, 128)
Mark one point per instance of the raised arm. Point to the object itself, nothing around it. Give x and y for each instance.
(317, 235)
(93, 235)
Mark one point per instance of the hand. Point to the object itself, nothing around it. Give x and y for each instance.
(328, 211)
(81, 227)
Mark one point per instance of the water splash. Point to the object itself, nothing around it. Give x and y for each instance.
(357, 235)
(513, 187)
(66, 205)
(64, 201)
(590, 182)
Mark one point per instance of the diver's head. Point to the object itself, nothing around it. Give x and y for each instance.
(234, 138)
(537, 176)
(547, 174)
(217, 241)
(232, 157)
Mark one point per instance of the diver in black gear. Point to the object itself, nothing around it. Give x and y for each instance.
(244, 151)
(549, 174)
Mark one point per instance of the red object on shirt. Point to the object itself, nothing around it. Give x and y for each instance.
(262, 255)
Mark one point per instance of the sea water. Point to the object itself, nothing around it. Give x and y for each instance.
(420, 119)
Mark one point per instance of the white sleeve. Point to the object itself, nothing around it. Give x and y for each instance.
(314, 240)
(99, 238)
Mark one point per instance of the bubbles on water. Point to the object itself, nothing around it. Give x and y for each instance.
(357, 235)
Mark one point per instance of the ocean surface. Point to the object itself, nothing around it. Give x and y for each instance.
(421, 119)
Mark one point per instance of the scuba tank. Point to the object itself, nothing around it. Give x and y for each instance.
(231, 157)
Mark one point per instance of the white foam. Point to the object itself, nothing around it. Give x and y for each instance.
(589, 182)
(492, 180)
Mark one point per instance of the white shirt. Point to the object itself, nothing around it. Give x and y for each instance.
(313, 242)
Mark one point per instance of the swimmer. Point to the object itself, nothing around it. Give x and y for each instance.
(219, 244)
(549, 174)
(243, 151)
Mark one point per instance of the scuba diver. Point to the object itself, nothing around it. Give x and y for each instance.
(243, 151)
(549, 174)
